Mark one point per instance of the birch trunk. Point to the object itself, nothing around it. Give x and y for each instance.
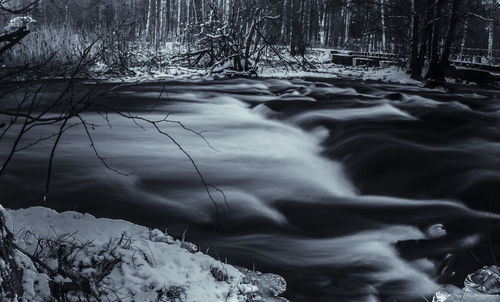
(155, 31)
(491, 28)
(188, 2)
(161, 17)
(322, 22)
(179, 17)
(490, 39)
(202, 10)
(347, 19)
(66, 13)
(226, 10)
(464, 37)
(284, 19)
(148, 19)
(100, 26)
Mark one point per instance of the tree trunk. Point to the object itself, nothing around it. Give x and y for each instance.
(148, 20)
(295, 27)
(188, 13)
(179, 15)
(284, 21)
(425, 37)
(382, 2)
(249, 39)
(226, 10)
(161, 17)
(491, 27)
(66, 13)
(444, 62)
(415, 67)
(155, 31)
(434, 72)
(464, 37)
(322, 23)
(347, 20)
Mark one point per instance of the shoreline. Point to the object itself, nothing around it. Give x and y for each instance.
(117, 259)
(391, 75)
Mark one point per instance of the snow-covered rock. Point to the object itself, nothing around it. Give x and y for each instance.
(269, 286)
(77, 256)
(481, 286)
(486, 281)
(19, 22)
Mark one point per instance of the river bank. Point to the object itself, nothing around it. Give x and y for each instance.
(72, 256)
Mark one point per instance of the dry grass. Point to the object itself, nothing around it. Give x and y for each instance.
(47, 47)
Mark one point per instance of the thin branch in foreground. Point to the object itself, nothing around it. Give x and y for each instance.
(207, 186)
(51, 159)
(43, 138)
(92, 145)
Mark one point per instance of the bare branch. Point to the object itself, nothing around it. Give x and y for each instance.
(51, 159)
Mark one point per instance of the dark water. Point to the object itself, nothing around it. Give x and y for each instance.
(337, 186)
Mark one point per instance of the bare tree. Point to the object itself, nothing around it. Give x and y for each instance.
(218, 46)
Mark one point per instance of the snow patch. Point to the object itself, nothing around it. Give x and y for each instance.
(18, 22)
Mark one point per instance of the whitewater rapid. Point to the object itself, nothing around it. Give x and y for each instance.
(320, 181)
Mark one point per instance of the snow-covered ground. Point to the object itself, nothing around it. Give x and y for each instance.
(161, 62)
(392, 74)
(319, 59)
(115, 260)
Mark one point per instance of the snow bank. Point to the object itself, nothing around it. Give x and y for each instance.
(83, 257)
(282, 73)
(162, 65)
(391, 74)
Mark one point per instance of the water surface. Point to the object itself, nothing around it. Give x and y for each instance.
(339, 186)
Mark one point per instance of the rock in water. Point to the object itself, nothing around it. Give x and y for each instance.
(268, 286)
(485, 280)
(481, 286)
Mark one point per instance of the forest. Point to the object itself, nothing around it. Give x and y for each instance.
(118, 36)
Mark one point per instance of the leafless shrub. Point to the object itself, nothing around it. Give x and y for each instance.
(235, 44)
(171, 294)
(10, 274)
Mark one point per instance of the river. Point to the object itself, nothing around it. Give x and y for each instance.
(353, 191)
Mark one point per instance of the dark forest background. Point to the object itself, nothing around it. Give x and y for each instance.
(423, 34)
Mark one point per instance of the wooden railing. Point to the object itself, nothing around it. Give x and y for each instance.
(472, 58)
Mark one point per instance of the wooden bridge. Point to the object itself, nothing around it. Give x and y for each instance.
(353, 58)
(383, 59)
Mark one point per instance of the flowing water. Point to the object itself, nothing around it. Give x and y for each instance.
(352, 191)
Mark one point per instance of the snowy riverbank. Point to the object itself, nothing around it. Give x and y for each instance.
(391, 74)
(83, 257)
